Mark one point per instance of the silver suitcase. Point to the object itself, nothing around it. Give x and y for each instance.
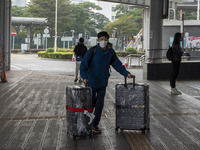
(132, 106)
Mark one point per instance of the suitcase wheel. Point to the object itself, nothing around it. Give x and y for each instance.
(68, 134)
(148, 130)
(116, 130)
(90, 136)
(74, 138)
(143, 131)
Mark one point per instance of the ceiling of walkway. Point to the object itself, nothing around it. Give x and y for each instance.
(144, 3)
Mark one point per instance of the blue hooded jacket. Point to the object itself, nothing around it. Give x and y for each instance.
(97, 71)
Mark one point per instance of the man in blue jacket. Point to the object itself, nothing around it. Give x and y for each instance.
(95, 71)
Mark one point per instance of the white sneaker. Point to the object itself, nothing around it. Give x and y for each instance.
(174, 91)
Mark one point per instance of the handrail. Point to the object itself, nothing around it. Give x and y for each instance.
(138, 56)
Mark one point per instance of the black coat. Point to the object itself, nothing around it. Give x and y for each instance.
(80, 50)
(177, 52)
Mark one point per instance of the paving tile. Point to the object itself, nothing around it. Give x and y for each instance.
(32, 116)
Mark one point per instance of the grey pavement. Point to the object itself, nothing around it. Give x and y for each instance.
(32, 115)
(65, 67)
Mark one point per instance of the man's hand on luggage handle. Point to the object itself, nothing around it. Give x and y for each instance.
(130, 75)
(85, 81)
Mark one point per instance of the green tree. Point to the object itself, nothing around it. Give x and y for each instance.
(137, 17)
(21, 30)
(188, 15)
(131, 17)
(19, 11)
(84, 18)
(126, 24)
(121, 10)
(46, 9)
(79, 17)
(129, 22)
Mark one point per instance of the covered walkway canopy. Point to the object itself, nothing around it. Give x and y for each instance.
(154, 13)
(28, 22)
(144, 3)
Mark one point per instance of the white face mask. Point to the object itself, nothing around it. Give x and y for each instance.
(103, 43)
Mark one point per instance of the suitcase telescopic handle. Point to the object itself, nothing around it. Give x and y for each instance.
(125, 79)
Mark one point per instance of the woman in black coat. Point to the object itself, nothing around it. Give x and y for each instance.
(176, 61)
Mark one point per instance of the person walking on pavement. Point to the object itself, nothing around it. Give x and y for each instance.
(176, 61)
(94, 71)
(79, 51)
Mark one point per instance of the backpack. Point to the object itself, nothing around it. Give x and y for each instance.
(169, 54)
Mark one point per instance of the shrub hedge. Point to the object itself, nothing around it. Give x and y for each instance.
(68, 53)
(55, 55)
(131, 50)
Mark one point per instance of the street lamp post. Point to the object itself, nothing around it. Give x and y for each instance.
(198, 10)
(63, 40)
(72, 37)
(114, 40)
(55, 41)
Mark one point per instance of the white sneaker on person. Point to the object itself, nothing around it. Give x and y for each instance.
(174, 91)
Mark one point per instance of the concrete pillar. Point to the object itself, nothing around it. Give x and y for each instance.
(146, 29)
(156, 24)
(154, 52)
(28, 36)
(7, 33)
(5, 26)
(2, 3)
(146, 35)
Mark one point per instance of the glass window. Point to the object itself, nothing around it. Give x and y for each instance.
(113, 17)
(113, 8)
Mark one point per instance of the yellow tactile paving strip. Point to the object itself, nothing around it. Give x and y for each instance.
(137, 140)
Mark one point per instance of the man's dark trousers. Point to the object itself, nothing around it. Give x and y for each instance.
(98, 96)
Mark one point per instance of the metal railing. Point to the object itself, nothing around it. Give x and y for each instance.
(159, 55)
(135, 60)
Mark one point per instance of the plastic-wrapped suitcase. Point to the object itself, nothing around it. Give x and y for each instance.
(132, 106)
(78, 106)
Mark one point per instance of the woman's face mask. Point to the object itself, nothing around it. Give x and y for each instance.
(103, 43)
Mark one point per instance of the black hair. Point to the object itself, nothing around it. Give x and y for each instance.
(177, 38)
(103, 33)
(81, 40)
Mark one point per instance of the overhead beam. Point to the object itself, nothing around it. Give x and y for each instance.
(143, 3)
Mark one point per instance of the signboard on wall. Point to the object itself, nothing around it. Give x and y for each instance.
(66, 38)
(189, 42)
(193, 42)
